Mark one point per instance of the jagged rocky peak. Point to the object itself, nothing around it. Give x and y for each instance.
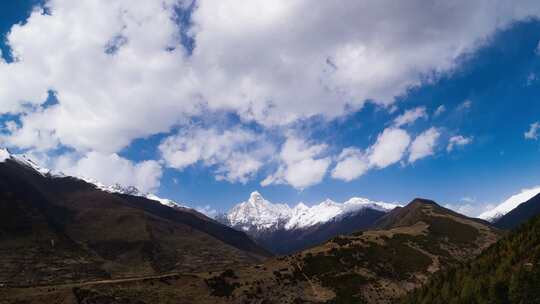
(258, 213)
(256, 198)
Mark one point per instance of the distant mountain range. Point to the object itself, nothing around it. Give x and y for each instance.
(284, 230)
(58, 229)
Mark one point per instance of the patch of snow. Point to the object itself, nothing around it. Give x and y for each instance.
(509, 204)
(164, 201)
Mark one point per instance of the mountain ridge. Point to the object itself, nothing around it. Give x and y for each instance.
(63, 229)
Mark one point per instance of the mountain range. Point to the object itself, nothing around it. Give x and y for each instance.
(284, 230)
(373, 266)
(70, 240)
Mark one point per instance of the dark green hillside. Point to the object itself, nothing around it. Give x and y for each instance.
(507, 272)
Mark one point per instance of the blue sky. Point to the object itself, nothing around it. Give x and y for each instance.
(488, 88)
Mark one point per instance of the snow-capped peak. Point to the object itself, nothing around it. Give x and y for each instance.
(4, 155)
(258, 213)
(509, 204)
(301, 206)
(255, 198)
(26, 161)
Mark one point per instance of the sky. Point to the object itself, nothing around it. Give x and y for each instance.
(205, 101)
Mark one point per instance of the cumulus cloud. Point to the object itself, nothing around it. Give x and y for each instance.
(126, 75)
(235, 154)
(458, 141)
(532, 133)
(111, 169)
(352, 163)
(410, 116)
(440, 110)
(119, 71)
(302, 164)
(389, 148)
(423, 145)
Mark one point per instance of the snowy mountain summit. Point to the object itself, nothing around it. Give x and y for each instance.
(26, 161)
(510, 204)
(258, 214)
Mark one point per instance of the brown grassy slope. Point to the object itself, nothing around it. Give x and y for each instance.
(55, 230)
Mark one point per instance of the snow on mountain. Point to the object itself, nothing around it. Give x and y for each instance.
(27, 162)
(4, 155)
(116, 188)
(509, 204)
(166, 202)
(258, 213)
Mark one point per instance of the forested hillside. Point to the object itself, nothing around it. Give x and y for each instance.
(507, 272)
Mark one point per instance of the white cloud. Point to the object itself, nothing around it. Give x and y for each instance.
(111, 169)
(458, 141)
(352, 163)
(207, 210)
(464, 105)
(302, 164)
(246, 60)
(410, 116)
(533, 131)
(423, 145)
(440, 110)
(236, 154)
(119, 71)
(389, 148)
